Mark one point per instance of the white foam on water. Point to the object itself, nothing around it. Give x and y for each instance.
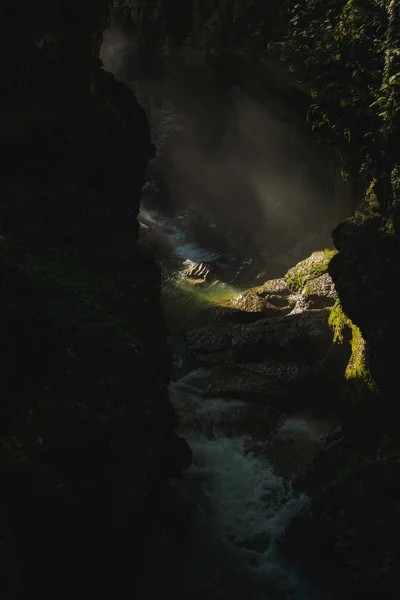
(194, 253)
(218, 412)
(184, 249)
(303, 428)
(244, 505)
(248, 506)
(212, 415)
(251, 501)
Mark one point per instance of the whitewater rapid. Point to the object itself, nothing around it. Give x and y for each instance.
(241, 487)
(243, 502)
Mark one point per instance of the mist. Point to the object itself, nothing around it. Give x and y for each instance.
(242, 163)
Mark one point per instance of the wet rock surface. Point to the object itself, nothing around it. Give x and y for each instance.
(272, 298)
(203, 271)
(322, 289)
(278, 358)
(285, 361)
(317, 293)
(305, 271)
(354, 480)
(261, 359)
(270, 380)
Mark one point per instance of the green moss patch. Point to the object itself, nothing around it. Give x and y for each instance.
(312, 267)
(357, 370)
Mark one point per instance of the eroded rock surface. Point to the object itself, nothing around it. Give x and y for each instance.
(281, 356)
(272, 298)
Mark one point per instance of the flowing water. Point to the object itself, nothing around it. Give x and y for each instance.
(240, 484)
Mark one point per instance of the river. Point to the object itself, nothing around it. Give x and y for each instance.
(240, 483)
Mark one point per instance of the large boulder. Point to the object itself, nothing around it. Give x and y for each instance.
(316, 293)
(271, 298)
(321, 291)
(275, 343)
(283, 360)
(306, 285)
(307, 270)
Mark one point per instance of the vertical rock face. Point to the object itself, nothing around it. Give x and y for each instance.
(355, 520)
(366, 274)
(86, 430)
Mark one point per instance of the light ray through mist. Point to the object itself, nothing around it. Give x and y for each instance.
(241, 164)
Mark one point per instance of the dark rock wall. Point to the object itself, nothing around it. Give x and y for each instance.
(86, 428)
(354, 481)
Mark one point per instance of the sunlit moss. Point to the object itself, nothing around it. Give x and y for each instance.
(312, 267)
(370, 196)
(357, 368)
(188, 301)
(338, 322)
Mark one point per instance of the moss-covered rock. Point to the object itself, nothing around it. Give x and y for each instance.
(357, 372)
(306, 286)
(283, 359)
(355, 518)
(308, 269)
(320, 292)
(271, 298)
(275, 345)
(367, 278)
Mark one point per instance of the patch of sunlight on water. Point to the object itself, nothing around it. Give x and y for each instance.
(189, 302)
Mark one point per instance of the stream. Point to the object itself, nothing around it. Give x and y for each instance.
(211, 207)
(240, 484)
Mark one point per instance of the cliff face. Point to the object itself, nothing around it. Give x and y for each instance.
(87, 440)
(355, 520)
